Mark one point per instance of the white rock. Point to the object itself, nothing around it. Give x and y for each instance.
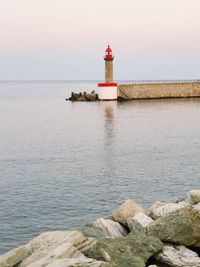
(14, 257)
(139, 222)
(111, 228)
(153, 265)
(48, 239)
(66, 250)
(53, 245)
(87, 262)
(194, 197)
(159, 209)
(178, 256)
(197, 207)
(128, 209)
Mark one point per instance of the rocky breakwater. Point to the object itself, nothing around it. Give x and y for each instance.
(83, 96)
(168, 234)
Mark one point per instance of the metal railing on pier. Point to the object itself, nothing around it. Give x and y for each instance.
(158, 81)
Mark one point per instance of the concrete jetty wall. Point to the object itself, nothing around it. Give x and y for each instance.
(159, 90)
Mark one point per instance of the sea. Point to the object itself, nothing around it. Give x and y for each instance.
(63, 164)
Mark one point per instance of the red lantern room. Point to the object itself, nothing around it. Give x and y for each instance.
(108, 55)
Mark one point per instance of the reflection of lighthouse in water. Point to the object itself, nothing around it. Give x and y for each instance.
(109, 112)
(109, 121)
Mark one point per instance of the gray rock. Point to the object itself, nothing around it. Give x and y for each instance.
(128, 209)
(83, 96)
(110, 227)
(178, 256)
(91, 232)
(159, 209)
(180, 227)
(139, 222)
(77, 97)
(91, 97)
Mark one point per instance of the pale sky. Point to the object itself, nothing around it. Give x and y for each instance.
(66, 39)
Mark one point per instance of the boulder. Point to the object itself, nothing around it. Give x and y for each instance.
(77, 97)
(51, 245)
(110, 227)
(73, 96)
(197, 207)
(159, 209)
(70, 262)
(91, 232)
(133, 250)
(88, 97)
(180, 227)
(65, 250)
(14, 257)
(128, 209)
(86, 246)
(178, 256)
(91, 97)
(83, 96)
(139, 222)
(194, 197)
(53, 249)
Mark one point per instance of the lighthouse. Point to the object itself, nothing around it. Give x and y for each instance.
(108, 89)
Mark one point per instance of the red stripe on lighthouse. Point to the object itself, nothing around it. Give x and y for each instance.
(106, 84)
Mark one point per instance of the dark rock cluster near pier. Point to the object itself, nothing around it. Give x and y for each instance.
(168, 234)
(83, 96)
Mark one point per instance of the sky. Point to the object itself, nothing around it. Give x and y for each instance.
(66, 39)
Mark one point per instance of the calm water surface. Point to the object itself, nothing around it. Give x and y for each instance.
(64, 164)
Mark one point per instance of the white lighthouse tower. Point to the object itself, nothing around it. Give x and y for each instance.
(108, 89)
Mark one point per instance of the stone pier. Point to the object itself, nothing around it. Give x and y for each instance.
(159, 90)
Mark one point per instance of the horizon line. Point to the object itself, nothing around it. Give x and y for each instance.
(95, 80)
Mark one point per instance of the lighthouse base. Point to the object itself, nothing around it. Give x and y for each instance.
(107, 91)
